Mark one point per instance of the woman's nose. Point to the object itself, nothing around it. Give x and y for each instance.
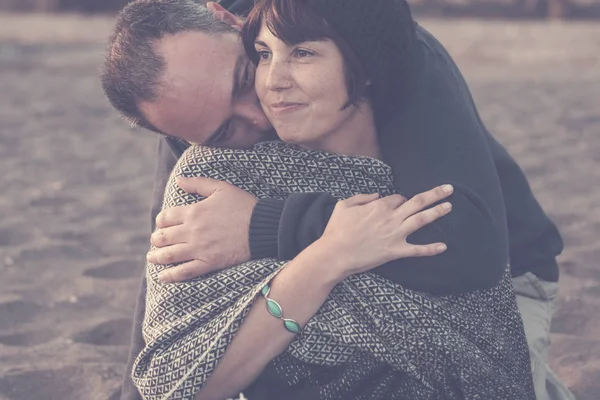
(278, 77)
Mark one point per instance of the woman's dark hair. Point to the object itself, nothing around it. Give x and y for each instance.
(294, 22)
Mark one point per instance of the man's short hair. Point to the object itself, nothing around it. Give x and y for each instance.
(132, 69)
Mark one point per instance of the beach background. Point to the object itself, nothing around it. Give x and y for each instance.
(77, 181)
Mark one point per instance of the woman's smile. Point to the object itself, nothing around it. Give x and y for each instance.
(285, 108)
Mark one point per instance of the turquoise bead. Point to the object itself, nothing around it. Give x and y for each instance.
(265, 290)
(291, 325)
(274, 308)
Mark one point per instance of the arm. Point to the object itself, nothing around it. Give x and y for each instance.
(283, 228)
(167, 155)
(262, 337)
(446, 142)
(376, 236)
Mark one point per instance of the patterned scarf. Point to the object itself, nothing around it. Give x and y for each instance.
(371, 339)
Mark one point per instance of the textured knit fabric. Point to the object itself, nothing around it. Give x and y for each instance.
(371, 339)
(263, 219)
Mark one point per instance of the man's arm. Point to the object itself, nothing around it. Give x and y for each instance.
(168, 153)
(283, 228)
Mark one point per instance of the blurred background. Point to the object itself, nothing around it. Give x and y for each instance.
(77, 181)
(507, 8)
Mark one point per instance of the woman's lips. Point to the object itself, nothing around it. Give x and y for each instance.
(283, 108)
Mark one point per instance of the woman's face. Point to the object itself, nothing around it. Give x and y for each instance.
(302, 90)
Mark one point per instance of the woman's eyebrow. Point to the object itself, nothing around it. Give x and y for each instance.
(261, 43)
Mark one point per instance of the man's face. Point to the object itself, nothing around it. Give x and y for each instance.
(207, 92)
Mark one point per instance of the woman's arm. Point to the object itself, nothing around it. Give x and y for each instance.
(362, 234)
(300, 288)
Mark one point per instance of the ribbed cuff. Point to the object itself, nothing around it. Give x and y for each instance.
(264, 227)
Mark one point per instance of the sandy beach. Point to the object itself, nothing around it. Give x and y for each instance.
(77, 183)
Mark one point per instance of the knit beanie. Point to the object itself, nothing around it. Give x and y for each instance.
(383, 35)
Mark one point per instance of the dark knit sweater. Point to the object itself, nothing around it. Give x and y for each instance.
(438, 139)
(283, 228)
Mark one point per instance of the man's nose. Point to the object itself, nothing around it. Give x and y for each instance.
(248, 108)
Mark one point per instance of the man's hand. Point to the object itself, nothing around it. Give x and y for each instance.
(221, 13)
(210, 235)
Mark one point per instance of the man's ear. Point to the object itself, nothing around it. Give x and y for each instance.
(224, 15)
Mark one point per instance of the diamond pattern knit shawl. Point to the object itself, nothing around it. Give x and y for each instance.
(371, 339)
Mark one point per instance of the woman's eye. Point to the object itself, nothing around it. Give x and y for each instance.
(263, 54)
(303, 53)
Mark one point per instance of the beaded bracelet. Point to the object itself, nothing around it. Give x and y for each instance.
(275, 310)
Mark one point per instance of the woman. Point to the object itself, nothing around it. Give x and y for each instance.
(362, 336)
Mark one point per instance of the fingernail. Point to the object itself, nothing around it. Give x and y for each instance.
(447, 206)
(441, 247)
(148, 257)
(447, 188)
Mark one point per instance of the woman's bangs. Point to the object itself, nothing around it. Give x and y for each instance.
(294, 21)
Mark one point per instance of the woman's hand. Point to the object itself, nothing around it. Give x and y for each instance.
(366, 231)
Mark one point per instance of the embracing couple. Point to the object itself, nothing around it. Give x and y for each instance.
(361, 235)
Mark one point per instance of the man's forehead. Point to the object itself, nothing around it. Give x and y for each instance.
(195, 92)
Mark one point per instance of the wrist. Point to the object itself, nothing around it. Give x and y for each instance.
(326, 264)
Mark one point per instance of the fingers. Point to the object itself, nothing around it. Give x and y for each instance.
(171, 217)
(221, 13)
(424, 200)
(416, 222)
(183, 272)
(204, 187)
(170, 254)
(422, 250)
(394, 201)
(419, 220)
(359, 200)
(163, 237)
(199, 185)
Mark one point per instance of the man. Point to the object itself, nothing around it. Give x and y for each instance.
(174, 70)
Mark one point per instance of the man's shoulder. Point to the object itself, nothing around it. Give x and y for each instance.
(434, 55)
(427, 41)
